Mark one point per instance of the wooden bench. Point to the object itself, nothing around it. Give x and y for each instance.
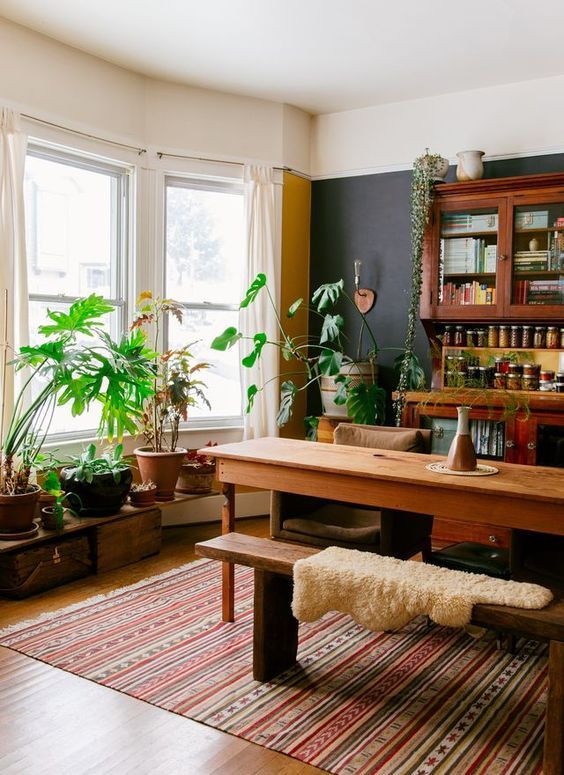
(275, 630)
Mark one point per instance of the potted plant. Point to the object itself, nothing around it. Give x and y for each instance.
(197, 473)
(176, 387)
(98, 485)
(52, 515)
(79, 364)
(353, 381)
(143, 493)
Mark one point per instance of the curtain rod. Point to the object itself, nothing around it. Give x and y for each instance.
(140, 151)
(162, 155)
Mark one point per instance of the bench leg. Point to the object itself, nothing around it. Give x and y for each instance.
(228, 569)
(554, 724)
(275, 630)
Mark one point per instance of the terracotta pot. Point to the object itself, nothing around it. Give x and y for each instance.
(195, 480)
(17, 511)
(143, 497)
(462, 455)
(160, 467)
(44, 501)
(48, 519)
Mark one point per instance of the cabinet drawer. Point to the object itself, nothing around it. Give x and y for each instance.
(452, 532)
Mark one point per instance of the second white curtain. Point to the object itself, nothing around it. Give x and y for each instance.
(13, 263)
(260, 210)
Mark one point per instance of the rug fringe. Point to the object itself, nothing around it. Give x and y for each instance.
(45, 617)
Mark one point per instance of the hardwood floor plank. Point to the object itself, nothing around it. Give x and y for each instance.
(54, 723)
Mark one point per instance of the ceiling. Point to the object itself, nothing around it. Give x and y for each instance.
(320, 55)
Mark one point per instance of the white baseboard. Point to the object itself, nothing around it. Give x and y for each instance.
(208, 508)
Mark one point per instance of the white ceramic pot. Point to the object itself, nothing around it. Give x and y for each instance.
(363, 371)
(470, 165)
(439, 169)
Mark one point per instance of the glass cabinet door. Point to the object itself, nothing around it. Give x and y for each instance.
(468, 257)
(538, 255)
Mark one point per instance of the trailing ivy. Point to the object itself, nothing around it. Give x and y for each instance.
(422, 195)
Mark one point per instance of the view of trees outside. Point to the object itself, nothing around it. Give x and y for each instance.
(204, 263)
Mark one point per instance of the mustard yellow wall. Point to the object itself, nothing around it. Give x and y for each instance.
(296, 207)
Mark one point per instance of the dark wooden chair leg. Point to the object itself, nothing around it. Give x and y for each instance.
(275, 632)
(228, 569)
(554, 724)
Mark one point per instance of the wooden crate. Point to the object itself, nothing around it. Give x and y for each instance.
(126, 540)
(25, 572)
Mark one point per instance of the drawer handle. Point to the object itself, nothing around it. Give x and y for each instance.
(510, 444)
(532, 445)
(503, 257)
(438, 432)
(492, 539)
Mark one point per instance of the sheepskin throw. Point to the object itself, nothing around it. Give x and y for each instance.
(382, 593)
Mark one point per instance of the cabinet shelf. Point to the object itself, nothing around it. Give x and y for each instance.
(544, 350)
(541, 230)
(538, 272)
(470, 274)
(455, 235)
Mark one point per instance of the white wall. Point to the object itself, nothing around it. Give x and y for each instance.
(47, 79)
(521, 118)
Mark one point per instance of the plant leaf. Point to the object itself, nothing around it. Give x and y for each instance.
(260, 341)
(341, 395)
(326, 295)
(252, 390)
(332, 325)
(293, 308)
(366, 404)
(330, 362)
(311, 423)
(287, 394)
(253, 290)
(227, 339)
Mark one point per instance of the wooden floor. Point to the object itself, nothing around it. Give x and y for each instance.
(54, 722)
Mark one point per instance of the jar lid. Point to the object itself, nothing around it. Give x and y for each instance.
(540, 328)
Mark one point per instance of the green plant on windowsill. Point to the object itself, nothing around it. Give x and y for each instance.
(53, 515)
(319, 356)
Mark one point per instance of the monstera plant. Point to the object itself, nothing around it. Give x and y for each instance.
(318, 356)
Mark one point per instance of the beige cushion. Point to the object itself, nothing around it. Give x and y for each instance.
(338, 522)
(399, 440)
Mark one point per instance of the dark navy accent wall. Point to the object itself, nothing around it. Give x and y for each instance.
(367, 217)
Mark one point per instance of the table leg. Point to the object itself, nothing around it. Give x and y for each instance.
(275, 630)
(228, 569)
(554, 724)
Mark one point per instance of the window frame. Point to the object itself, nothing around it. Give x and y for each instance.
(201, 183)
(123, 175)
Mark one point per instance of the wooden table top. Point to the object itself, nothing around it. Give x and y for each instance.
(532, 483)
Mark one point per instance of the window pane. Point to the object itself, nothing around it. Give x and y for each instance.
(204, 245)
(71, 229)
(63, 421)
(222, 379)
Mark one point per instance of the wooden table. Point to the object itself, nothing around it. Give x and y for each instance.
(526, 497)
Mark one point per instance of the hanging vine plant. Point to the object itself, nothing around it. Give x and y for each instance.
(426, 170)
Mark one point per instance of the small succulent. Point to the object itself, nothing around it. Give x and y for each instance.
(143, 486)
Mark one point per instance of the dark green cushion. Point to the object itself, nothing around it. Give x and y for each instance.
(474, 558)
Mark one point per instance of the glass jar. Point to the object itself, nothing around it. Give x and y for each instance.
(562, 338)
(530, 382)
(559, 387)
(459, 336)
(560, 377)
(470, 338)
(531, 370)
(482, 337)
(539, 340)
(527, 340)
(503, 336)
(514, 381)
(515, 368)
(546, 385)
(500, 381)
(493, 336)
(448, 336)
(547, 375)
(462, 365)
(515, 340)
(552, 338)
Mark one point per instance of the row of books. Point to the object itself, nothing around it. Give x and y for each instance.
(488, 438)
(531, 261)
(467, 293)
(467, 254)
(462, 222)
(539, 291)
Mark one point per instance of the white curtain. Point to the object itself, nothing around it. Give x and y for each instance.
(13, 266)
(261, 251)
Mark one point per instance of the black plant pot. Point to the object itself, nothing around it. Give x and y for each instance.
(99, 498)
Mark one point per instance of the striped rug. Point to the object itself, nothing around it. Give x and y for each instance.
(420, 700)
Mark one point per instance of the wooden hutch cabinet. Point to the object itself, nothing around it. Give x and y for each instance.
(492, 306)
